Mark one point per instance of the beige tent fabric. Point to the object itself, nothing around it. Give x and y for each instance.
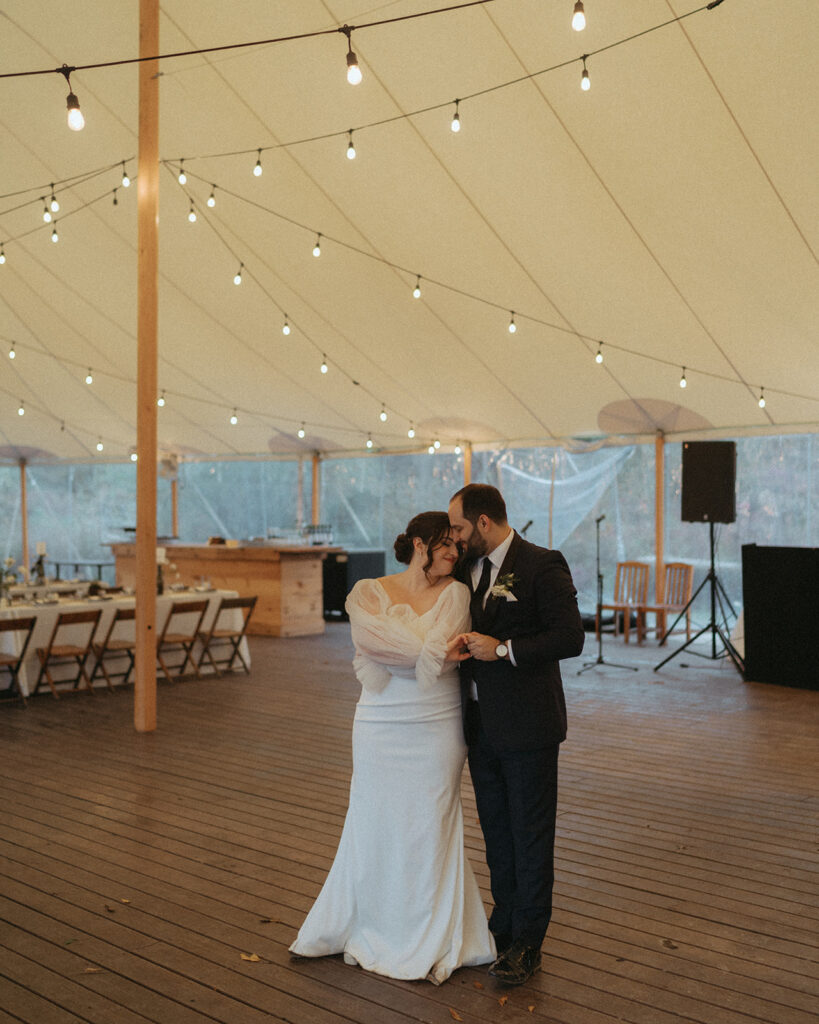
(670, 213)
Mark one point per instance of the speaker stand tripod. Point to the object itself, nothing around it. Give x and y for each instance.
(600, 659)
(718, 595)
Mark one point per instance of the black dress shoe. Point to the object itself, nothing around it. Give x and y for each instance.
(502, 942)
(517, 964)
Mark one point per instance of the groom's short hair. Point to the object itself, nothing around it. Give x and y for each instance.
(482, 500)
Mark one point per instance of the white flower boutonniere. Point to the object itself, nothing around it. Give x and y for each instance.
(502, 586)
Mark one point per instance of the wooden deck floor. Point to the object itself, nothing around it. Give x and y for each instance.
(139, 872)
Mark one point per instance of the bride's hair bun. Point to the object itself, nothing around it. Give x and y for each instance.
(403, 549)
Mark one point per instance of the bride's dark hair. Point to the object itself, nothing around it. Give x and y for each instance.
(430, 527)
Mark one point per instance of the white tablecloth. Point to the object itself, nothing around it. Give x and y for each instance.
(46, 615)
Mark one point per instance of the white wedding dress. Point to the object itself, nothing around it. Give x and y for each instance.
(400, 898)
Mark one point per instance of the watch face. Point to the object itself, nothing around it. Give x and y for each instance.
(501, 650)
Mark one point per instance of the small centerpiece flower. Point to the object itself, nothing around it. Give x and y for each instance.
(502, 586)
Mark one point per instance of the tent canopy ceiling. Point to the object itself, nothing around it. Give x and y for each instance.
(671, 212)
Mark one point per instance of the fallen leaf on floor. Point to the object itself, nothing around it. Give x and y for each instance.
(92, 970)
(531, 1008)
(669, 944)
(124, 901)
(111, 910)
(478, 984)
(270, 920)
(254, 958)
(454, 1014)
(503, 1000)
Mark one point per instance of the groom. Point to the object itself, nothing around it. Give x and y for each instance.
(524, 620)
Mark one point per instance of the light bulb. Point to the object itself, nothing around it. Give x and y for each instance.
(436, 444)
(351, 147)
(369, 441)
(383, 415)
(456, 119)
(317, 247)
(431, 449)
(182, 178)
(237, 278)
(683, 381)
(212, 197)
(353, 70)
(301, 430)
(512, 325)
(585, 81)
(324, 364)
(47, 214)
(578, 17)
(89, 377)
(100, 446)
(21, 411)
(126, 181)
(161, 400)
(457, 449)
(2, 255)
(54, 236)
(12, 353)
(133, 456)
(599, 357)
(234, 419)
(55, 206)
(76, 122)
(416, 291)
(411, 431)
(257, 170)
(761, 402)
(286, 326)
(116, 201)
(192, 214)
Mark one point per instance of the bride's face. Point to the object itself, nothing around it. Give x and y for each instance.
(444, 557)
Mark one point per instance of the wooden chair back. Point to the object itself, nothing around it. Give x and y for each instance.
(12, 663)
(112, 648)
(631, 583)
(227, 638)
(679, 584)
(56, 653)
(173, 637)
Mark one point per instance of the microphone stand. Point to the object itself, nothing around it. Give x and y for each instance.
(600, 659)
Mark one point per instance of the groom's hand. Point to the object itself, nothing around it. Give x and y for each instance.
(481, 647)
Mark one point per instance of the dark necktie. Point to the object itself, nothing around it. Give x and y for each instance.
(476, 602)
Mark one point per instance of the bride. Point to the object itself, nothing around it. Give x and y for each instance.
(400, 898)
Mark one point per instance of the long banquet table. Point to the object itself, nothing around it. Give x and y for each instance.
(46, 615)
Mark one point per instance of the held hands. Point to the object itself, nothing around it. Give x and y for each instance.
(478, 646)
(456, 649)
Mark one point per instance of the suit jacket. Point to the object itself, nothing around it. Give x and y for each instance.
(522, 705)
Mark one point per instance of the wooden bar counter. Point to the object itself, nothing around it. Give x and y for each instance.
(287, 580)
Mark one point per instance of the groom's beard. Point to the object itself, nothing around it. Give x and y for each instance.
(475, 548)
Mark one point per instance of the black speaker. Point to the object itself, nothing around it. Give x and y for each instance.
(781, 615)
(709, 470)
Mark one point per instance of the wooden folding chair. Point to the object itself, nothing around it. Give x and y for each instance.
(678, 585)
(56, 654)
(630, 591)
(171, 640)
(115, 648)
(12, 663)
(225, 638)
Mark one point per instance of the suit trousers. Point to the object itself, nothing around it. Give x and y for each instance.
(516, 796)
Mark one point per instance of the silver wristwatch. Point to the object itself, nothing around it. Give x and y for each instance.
(501, 651)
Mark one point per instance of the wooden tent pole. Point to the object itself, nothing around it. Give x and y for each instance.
(316, 503)
(467, 464)
(147, 319)
(659, 516)
(174, 507)
(24, 514)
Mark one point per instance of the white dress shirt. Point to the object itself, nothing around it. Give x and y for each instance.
(496, 558)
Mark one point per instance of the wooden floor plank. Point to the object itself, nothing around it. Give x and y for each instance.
(686, 856)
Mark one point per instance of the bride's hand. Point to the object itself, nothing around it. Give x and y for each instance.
(456, 649)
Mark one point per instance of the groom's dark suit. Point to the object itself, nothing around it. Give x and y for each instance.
(515, 728)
